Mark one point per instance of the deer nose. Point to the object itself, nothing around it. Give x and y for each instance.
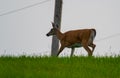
(47, 34)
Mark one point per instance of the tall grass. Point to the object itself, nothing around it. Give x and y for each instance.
(53, 67)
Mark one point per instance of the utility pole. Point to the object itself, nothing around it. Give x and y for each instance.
(57, 21)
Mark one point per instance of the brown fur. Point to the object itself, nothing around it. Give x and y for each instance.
(84, 37)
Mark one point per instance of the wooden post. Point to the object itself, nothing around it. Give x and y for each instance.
(57, 20)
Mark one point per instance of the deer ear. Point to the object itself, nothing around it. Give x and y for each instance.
(53, 24)
(57, 26)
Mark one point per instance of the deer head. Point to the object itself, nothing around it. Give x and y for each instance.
(53, 30)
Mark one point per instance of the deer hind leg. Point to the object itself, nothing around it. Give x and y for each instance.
(72, 51)
(88, 50)
(93, 47)
(85, 46)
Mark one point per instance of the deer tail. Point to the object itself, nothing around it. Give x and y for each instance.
(94, 32)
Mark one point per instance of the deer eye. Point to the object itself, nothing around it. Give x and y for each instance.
(52, 30)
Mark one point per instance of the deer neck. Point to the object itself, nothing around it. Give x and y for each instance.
(59, 34)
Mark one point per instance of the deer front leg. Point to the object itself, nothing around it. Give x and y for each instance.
(72, 51)
(60, 50)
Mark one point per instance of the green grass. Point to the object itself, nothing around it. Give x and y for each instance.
(53, 67)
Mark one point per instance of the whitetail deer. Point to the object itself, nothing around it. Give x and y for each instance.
(75, 38)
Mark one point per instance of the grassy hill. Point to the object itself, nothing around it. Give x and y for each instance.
(53, 67)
